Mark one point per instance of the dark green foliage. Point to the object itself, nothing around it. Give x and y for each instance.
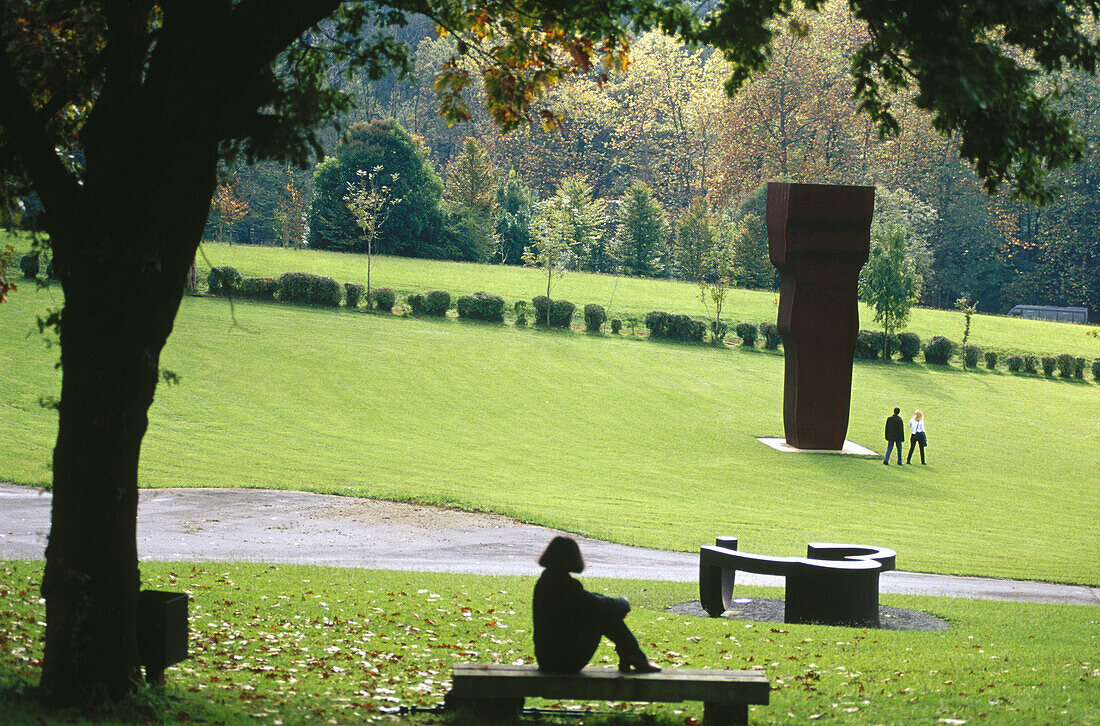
(353, 293)
(1079, 368)
(258, 288)
(908, 346)
(747, 332)
(939, 350)
(29, 264)
(594, 317)
(970, 355)
(560, 312)
(481, 306)
(643, 233)
(520, 308)
(515, 210)
(991, 360)
(718, 330)
(1096, 369)
(1049, 364)
(770, 333)
(412, 227)
(616, 326)
(1031, 363)
(752, 265)
(867, 345)
(384, 299)
(303, 287)
(223, 281)
(1015, 363)
(685, 328)
(656, 321)
(467, 236)
(1066, 362)
(433, 302)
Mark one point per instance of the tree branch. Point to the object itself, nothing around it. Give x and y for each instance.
(261, 29)
(53, 182)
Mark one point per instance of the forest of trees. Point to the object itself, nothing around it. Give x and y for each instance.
(666, 126)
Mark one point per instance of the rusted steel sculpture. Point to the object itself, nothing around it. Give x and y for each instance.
(834, 584)
(818, 237)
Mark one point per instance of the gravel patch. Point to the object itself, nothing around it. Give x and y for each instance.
(770, 610)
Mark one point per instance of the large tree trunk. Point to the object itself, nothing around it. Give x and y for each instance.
(123, 259)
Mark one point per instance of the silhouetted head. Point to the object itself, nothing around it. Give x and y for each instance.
(918, 415)
(896, 410)
(562, 554)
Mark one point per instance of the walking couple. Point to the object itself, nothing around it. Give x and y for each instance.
(895, 436)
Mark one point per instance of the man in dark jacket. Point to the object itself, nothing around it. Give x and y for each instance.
(895, 436)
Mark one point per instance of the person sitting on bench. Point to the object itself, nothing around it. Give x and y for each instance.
(569, 621)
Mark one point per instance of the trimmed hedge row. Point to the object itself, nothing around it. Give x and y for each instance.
(673, 326)
(481, 306)
(554, 313)
(312, 289)
(433, 302)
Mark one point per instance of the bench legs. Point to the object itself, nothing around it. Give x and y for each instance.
(725, 714)
(499, 710)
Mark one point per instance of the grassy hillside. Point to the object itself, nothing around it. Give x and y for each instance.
(615, 437)
(624, 296)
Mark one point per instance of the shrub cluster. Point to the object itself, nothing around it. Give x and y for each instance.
(908, 346)
(939, 350)
(30, 265)
(353, 293)
(258, 288)
(770, 331)
(223, 281)
(303, 287)
(672, 326)
(1096, 369)
(1049, 363)
(1065, 364)
(555, 313)
(869, 344)
(616, 325)
(970, 355)
(991, 359)
(718, 330)
(594, 317)
(383, 298)
(432, 302)
(747, 333)
(481, 306)
(1014, 363)
(1031, 363)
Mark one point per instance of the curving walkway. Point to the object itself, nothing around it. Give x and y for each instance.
(294, 527)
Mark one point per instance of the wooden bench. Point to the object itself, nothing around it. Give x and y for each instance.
(496, 692)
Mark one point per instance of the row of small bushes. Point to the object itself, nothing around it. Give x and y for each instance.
(31, 266)
(940, 350)
(749, 333)
(311, 289)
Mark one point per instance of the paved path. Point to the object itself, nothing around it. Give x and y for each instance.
(295, 527)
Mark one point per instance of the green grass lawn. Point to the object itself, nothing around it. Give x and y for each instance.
(615, 437)
(284, 645)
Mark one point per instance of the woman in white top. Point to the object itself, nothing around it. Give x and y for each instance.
(916, 436)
